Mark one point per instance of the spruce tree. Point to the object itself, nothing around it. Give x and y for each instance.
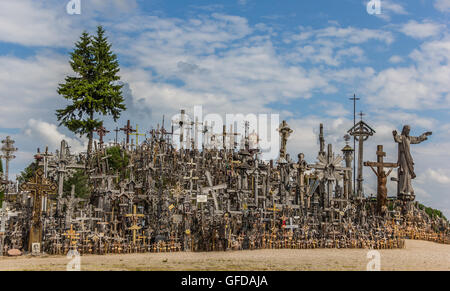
(94, 89)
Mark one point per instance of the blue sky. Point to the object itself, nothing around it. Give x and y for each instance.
(300, 59)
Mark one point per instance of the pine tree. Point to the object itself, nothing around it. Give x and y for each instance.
(94, 89)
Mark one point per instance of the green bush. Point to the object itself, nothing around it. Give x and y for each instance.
(433, 213)
(80, 180)
(117, 159)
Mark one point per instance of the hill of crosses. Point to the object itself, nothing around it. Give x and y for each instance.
(211, 195)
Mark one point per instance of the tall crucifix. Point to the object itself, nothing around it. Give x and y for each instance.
(101, 131)
(39, 187)
(8, 149)
(127, 130)
(285, 131)
(361, 132)
(381, 178)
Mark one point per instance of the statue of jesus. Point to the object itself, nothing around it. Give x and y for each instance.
(405, 161)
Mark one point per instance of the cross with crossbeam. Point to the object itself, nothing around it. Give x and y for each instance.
(134, 218)
(101, 131)
(381, 177)
(137, 134)
(39, 187)
(128, 130)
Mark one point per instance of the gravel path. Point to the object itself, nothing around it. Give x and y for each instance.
(418, 255)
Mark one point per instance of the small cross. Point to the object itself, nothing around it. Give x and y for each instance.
(361, 114)
(72, 235)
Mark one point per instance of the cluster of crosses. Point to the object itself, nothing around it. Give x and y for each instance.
(161, 198)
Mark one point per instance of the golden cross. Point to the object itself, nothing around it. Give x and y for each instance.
(273, 209)
(143, 238)
(137, 134)
(134, 218)
(73, 236)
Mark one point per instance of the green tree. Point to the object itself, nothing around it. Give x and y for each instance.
(81, 181)
(27, 173)
(117, 159)
(94, 89)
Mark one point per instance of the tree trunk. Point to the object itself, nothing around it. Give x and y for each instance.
(90, 134)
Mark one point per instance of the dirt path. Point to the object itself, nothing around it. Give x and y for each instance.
(418, 255)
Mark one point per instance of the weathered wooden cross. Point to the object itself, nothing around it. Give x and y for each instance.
(128, 130)
(101, 131)
(381, 177)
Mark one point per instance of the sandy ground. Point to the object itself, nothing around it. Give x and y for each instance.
(418, 255)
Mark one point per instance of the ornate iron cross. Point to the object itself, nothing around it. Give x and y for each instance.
(39, 187)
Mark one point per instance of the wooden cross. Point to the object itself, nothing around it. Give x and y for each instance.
(128, 130)
(137, 134)
(134, 218)
(101, 131)
(39, 187)
(117, 132)
(381, 177)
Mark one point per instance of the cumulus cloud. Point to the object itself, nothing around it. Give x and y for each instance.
(390, 8)
(442, 5)
(421, 30)
(334, 44)
(422, 85)
(32, 23)
(396, 59)
(49, 135)
(438, 176)
(28, 86)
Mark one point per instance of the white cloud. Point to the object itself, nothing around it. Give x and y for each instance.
(442, 5)
(389, 8)
(422, 30)
(438, 176)
(333, 45)
(421, 85)
(49, 135)
(28, 86)
(396, 59)
(218, 61)
(32, 23)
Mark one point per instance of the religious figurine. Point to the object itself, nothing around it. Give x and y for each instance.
(405, 161)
